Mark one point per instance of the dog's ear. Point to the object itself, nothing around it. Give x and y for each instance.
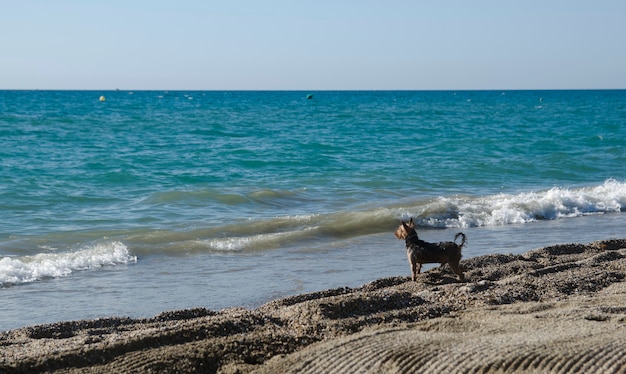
(406, 227)
(411, 222)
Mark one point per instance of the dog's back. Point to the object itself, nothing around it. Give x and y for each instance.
(442, 252)
(412, 240)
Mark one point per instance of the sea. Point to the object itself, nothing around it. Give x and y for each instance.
(131, 203)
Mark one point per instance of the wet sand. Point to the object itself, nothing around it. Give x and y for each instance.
(560, 308)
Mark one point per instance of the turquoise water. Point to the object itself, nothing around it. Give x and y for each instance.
(217, 199)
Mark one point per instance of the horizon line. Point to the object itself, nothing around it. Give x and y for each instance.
(310, 90)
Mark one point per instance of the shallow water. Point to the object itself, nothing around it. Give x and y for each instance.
(153, 284)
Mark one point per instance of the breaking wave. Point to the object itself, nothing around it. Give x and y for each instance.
(319, 229)
(24, 269)
(441, 212)
(503, 209)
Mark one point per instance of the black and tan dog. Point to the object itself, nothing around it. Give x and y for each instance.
(420, 252)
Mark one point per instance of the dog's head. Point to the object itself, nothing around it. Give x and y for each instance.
(405, 229)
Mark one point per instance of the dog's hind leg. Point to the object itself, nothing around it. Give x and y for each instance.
(456, 268)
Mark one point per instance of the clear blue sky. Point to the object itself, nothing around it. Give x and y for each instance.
(312, 44)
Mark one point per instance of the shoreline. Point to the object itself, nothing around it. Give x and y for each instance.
(561, 305)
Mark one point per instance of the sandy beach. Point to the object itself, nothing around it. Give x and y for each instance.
(557, 309)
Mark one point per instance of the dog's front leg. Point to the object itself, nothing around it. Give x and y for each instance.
(414, 270)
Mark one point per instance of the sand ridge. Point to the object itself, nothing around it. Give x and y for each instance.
(560, 308)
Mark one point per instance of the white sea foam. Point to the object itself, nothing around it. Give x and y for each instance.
(24, 269)
(505, 209)
(259, 241)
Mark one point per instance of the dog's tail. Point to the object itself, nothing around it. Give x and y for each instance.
(463, 239)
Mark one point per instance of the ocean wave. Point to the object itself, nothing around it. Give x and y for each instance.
(312, 230)
(25, 269)
(503, 209)
(441, 212)
(258, 241)
(232, 197)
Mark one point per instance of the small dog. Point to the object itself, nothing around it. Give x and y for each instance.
(420, 252)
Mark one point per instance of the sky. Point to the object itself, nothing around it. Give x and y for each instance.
(313, 45)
